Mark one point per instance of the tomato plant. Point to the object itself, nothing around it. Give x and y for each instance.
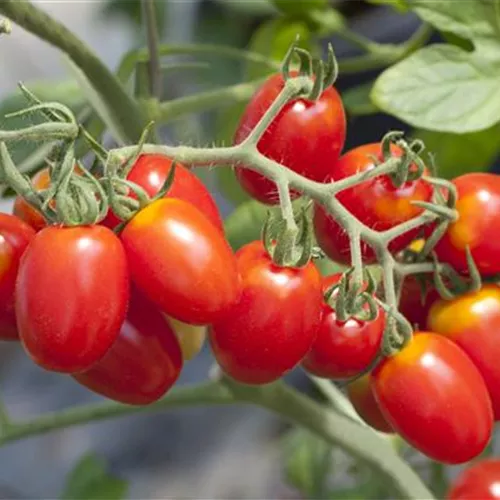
(415, 303)
(181, 261)
(480, 481)
(71, 296)
(15, 236)
(306, 136)
(415, 388)
(377, 203)
(143, 362)
(274, 323)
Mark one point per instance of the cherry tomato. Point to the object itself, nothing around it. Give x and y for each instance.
(15, 235)
(144, 362)
(361, 396)
(275, 322)
(181, 261)
(415, 307)
(191, 337)
(151, 171)
(434, 396)
(377, 203)
(480, 481)
(343, 349)
(71, 296)
(306, 136)
(471, 321)
(478, 207)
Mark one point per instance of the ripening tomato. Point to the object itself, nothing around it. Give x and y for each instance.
(181, 261)
(471, 321)
(361, 396)
(150, 172)
(480, 481)
(478, 207)
(144, 362)
(343, 349)
(71, 296)
(412, 305)
(306, 136)
(275, 322)
(15, 235)
(434, 396)
(377, 203)
(191, 337)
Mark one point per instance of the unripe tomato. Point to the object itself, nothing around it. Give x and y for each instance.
(15, 235)
(478, 225)
(274, 323)
(151, 171)
(480, 481)
(143, 363)
(71, 296)
(306, 136)
(191, 337)
(434, 396)
(377, 203)
(361, 396)
(471, 321)
(181, 261)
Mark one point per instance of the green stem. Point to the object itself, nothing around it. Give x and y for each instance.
(39, 23)
(151, 25)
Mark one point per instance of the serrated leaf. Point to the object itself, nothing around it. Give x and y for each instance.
(357, 100)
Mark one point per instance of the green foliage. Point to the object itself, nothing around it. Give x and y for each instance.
(298, 8)
(443, 87)
(357, 100)
(400, 5)
(245, 223)
(89, 480)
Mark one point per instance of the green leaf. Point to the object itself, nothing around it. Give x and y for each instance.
(357, 100)
(297, 8)
(399, 5)
(443, 87)
(249, 7)
(90, 481)
(245, 223)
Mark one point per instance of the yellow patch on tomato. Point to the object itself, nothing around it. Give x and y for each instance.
(5, 256)
(148, 215)
(191, 337)
(463, 232)
(395, 209)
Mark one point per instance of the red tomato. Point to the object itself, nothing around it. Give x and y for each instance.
(472, 321)
(434, 396)
(71, 296)
(306, 136)
(377, 203)
(143, 363)
(275, 322)
(181, 261)
(15, 236)
(411, 305)
(478, 207)
(361, 396)
(343, 349)
(480, 481)
(151, 171)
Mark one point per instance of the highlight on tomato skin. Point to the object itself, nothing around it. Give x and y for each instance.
(15, 236)
(143, 363)
(305, 136)
(433, 395)
(471, 321)
(479, 481)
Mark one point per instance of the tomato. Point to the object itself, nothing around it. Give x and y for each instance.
(361, 396)
(377, 203)
(71, 296)
(434, 396)
(480, 481)
(144, 362)
(412, 305)
(478, 207)
(151, 171)
(15, 235)
(471, 321)
(191, 337)
(181, 261)
(275, 322)
(305, 136)
(343, 349)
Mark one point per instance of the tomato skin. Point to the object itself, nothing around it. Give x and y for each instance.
(480, 481)
(143, 363)
(478, 207)
(305, 136)
(434, 396)
(15, 236)
(411, 305)
(150, 171)
(181, 261)
(361, 396)
(275, 322)
(191, 338)
(72, 296)
(471, 321)
(377, 203)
